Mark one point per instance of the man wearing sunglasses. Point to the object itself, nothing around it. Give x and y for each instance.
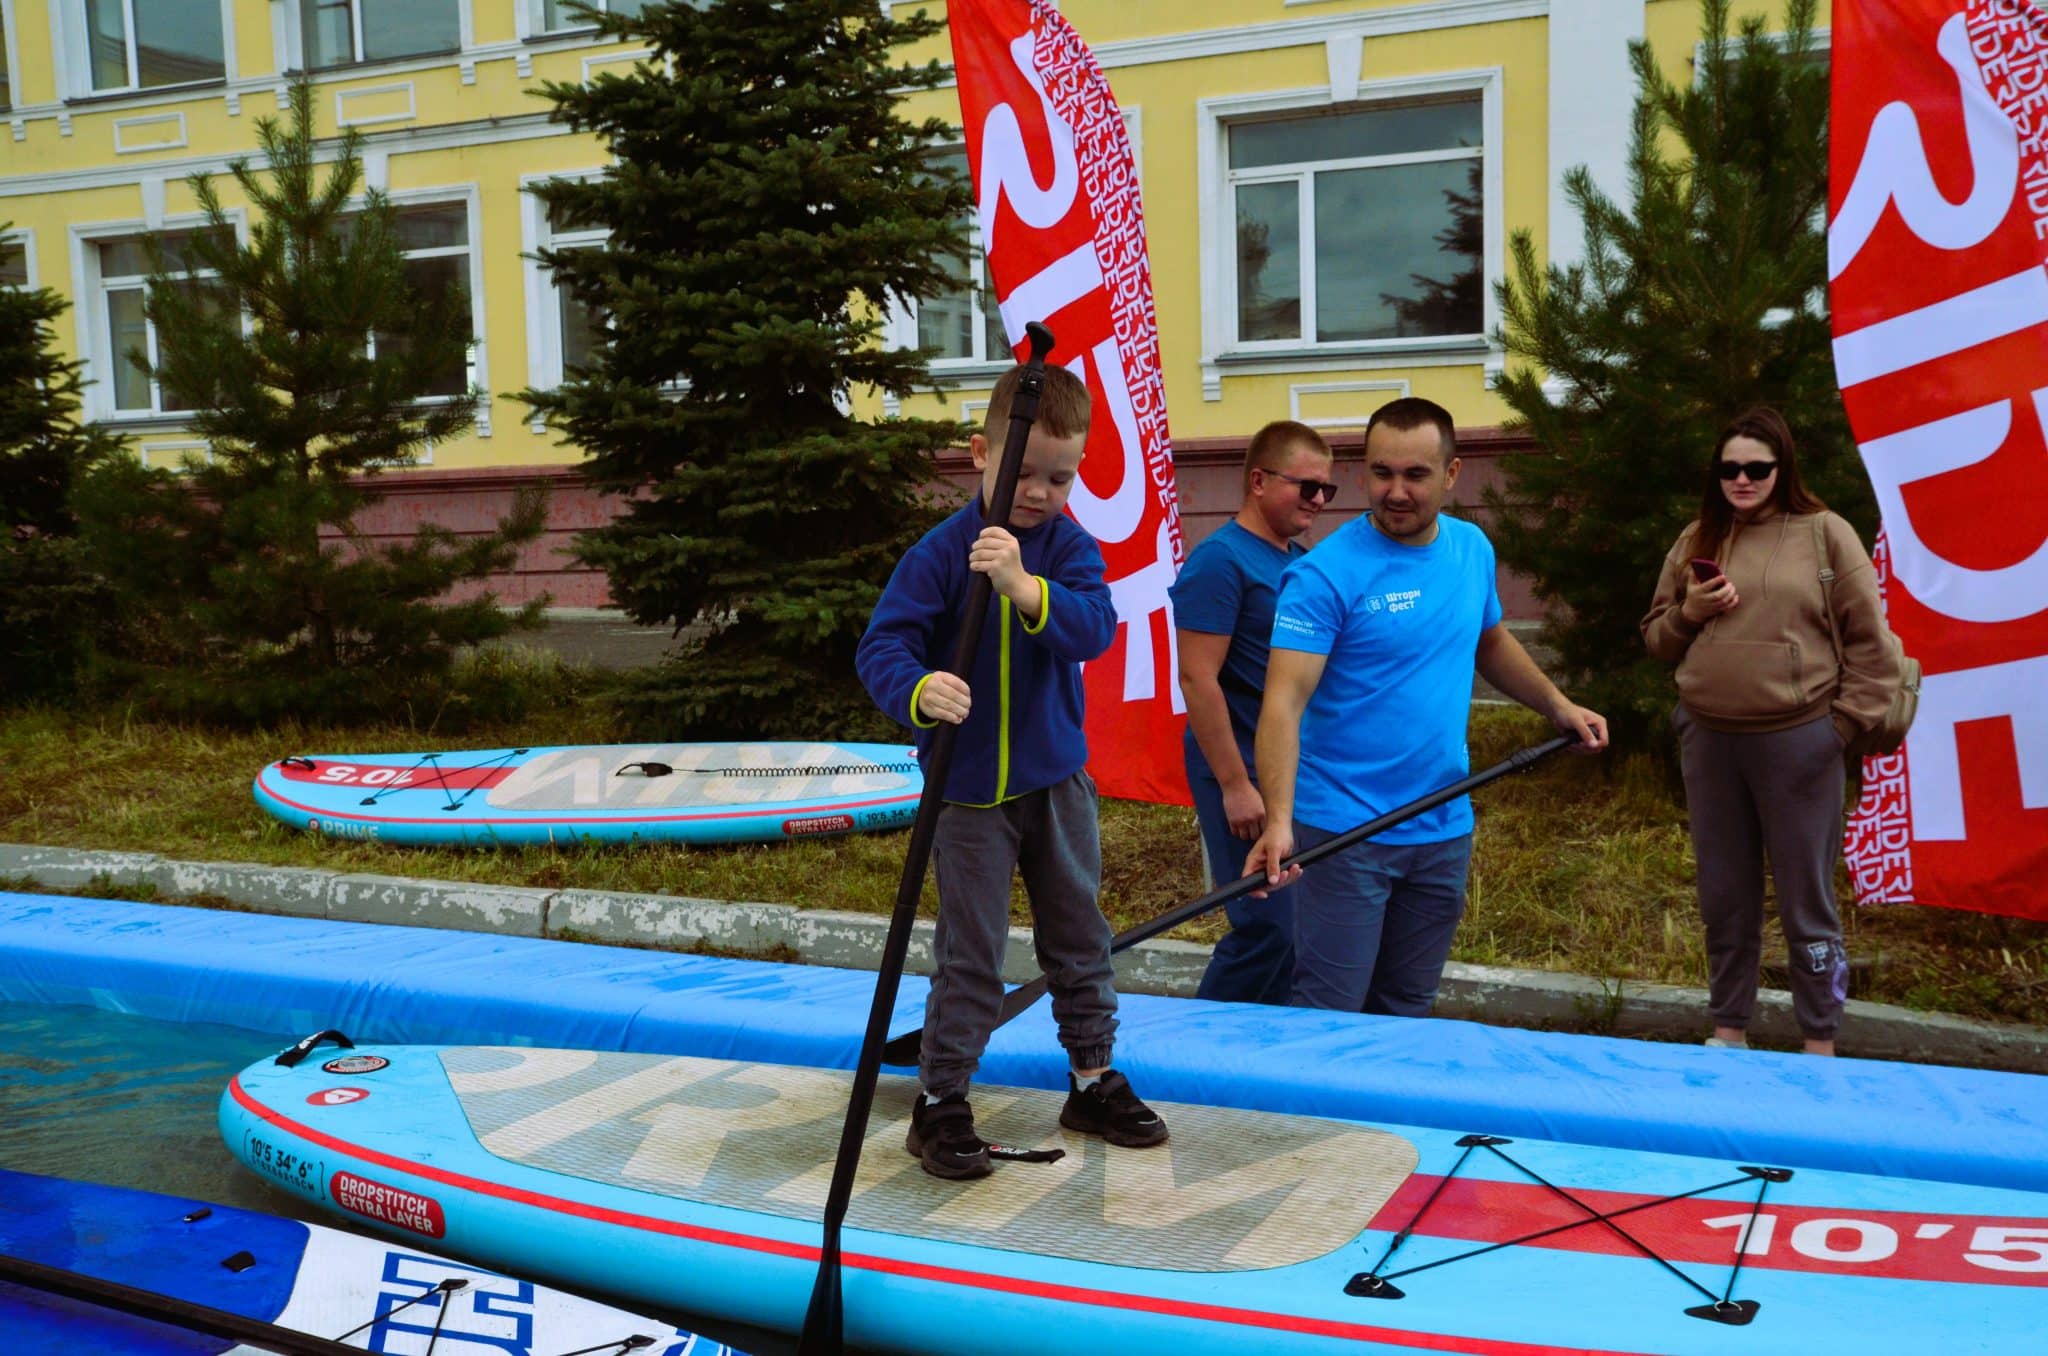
(1376, 638)
(1223, 611)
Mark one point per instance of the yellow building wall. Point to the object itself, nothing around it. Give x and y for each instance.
(472, 102)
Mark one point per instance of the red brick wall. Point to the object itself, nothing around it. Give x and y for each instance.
(1209, 472)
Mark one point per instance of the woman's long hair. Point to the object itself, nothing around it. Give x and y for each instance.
(1788, 491)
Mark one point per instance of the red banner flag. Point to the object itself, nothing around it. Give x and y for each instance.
(1057, 189)
(1936, 250)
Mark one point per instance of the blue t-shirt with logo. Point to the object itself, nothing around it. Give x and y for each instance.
(1400, 625)
(1228, 588)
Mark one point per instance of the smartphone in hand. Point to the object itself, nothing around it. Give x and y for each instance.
(1706, 571)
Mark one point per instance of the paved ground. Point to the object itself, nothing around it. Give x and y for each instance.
(609, 640)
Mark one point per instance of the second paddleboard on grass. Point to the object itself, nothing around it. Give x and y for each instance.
(676, 793)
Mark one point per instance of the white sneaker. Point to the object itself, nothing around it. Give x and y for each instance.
(1717, 1043)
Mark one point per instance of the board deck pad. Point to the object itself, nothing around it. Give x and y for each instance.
(701, 775)
(1232, 1190)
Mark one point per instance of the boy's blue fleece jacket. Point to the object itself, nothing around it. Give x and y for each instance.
(1023, 728)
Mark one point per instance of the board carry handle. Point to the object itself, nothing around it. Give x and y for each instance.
(824, 1320)
(903, 1049)
(292, 1057)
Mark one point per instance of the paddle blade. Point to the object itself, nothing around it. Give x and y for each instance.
(824, 1321)
(902, 1051)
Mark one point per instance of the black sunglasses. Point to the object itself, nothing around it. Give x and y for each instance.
(1310, 489)
(1756, 471)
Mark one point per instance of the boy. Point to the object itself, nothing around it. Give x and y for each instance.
(1017, 796)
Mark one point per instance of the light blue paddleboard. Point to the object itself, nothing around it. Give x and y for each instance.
(681, 793)
(699, 1183)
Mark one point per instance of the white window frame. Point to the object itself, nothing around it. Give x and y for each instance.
(533, 19)
(13, 71)
(95, 334)
(544, 360)
(74, 53)
(26, 239)
(294, 29)
(478, 365)
(1221, 349)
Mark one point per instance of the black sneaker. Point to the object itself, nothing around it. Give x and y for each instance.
(1110, 1109)
(942, 1138)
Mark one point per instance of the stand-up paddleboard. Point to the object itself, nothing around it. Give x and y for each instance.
(189, 1259)
(701, 1182)
(688, 793)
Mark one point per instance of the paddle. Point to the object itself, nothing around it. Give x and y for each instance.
(903, 1049)
(824, 1322)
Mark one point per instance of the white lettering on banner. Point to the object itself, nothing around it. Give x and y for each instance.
(1052, 289)
(1936, 448)
(1122, 513)
(1965, 320)
(1894, 169)
(1006, 165)
(1139, 596)
(1948, 700)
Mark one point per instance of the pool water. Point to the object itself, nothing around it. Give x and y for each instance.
(129, 1102)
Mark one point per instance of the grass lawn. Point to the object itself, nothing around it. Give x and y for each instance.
(1583, 865)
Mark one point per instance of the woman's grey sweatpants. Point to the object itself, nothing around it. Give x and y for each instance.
(1778, 795)
(1054, 837)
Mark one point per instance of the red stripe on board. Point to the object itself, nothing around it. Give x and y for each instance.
(590, 817)
(1891, 1244)
(422, 778)
(1068, 1294)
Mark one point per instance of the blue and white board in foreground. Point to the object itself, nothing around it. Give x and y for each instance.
(700, 1182)
(679, 793)
(369, 1294)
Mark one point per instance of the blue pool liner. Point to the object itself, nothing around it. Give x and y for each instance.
(290, 976)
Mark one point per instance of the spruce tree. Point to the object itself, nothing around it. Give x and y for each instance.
(47, 598)
(308, 358)
(768, 204)
(1701, 296)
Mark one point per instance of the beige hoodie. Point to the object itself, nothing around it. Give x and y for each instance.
(1768, 663)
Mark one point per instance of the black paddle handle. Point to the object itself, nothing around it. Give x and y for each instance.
(904, 1048)
(824, 1323)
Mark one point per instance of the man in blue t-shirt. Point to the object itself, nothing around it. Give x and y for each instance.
(1375, 640)
(1223, 611)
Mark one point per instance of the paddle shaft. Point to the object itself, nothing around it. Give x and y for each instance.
(903, 1049)
(823, 1333)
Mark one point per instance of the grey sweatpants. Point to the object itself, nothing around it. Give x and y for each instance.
(1054, 837)
(1778, 795)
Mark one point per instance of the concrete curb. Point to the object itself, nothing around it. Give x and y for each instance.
(1501, 996)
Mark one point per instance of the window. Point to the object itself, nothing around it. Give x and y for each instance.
(561, 13)
(13, 264)
(962, 323)
(561, 331)
(336, 32)
(130, 334)
(6, 80)
(576, 322)
(1368, 223)
(437, 263)
(141, 44)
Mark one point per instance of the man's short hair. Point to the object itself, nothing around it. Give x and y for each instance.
(1272, 445)
(1413, 412)
(1062, 409)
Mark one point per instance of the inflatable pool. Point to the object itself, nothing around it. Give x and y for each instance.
(700, 1181)
(686, 793)
(113, 1272)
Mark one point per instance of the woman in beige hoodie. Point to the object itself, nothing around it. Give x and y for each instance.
(1765, 710)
